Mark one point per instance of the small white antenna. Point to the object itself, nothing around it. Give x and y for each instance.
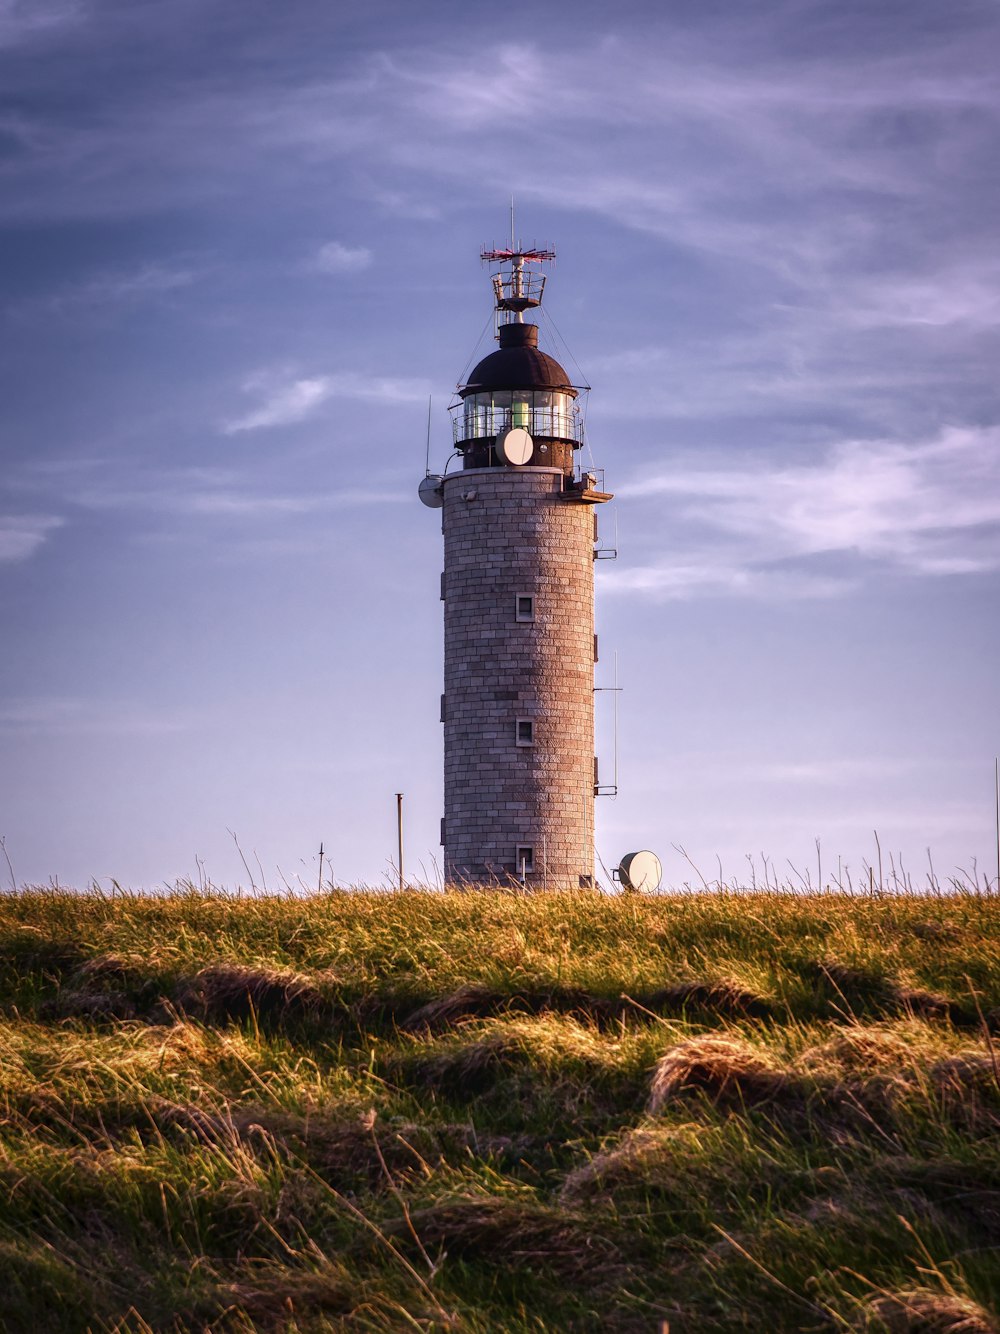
(513, 243)
(427, 461)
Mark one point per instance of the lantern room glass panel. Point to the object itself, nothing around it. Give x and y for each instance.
(542, 412)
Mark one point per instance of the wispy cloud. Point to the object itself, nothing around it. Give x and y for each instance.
(285, 403)
(335, 257)
(145, 280)
(244, 505)
(413, 204)
(722, 574)
(22, 534)
(827, 771)
(284, 406)
(23, 20)
(193, 493)
(60, 715)
(842, 176)
(959, 292)
(110, 288)
(830, 768)
(928, 508)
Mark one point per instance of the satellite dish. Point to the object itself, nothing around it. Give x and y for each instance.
(640, 870)
(431, 491)
(515, 445)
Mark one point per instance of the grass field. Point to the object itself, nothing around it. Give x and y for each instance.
(486, 1112)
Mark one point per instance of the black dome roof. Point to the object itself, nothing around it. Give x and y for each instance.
(517, 364)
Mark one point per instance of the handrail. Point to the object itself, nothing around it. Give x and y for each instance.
(484, 423)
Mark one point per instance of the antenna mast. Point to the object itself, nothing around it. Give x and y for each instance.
(515, 288)
(427, 461)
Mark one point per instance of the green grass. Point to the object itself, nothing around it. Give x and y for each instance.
(487, 1112)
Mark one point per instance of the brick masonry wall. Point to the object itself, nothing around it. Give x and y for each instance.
(507, 532)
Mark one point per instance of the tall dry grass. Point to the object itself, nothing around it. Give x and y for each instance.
(490, 1112)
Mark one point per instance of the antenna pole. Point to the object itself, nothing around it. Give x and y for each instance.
(320, 887)
(399, 834)
(996, 788)
(521, 290)
(427, 461)
(616, 721)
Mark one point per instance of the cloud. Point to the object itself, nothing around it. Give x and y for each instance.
(718, 574)
(60, 715)
(928, 508)
(829, 184)
(334, 257)
(779, 162)
(21, 21)
(403, 204)
(958, 292)
(829, 770)
(22, 534)
(236, 504)
(664, 132)
(285, 404)
(110, 288)
(878, 498)
(216, 493)
(146, 280)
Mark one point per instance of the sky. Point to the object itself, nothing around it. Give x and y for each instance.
(239, 251)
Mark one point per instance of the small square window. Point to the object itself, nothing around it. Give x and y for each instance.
(525, 861)
(524, 607)
(525, 732)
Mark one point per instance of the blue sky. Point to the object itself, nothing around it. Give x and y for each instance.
(240, 250)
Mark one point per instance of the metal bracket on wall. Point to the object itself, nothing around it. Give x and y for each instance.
(611, 552)
(609, 789)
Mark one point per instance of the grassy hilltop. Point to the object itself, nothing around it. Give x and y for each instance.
(485, 1112)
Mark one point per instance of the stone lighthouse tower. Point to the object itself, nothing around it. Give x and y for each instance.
(519, 524)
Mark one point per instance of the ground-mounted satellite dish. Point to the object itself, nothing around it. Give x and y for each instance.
(515, 445)
(640, 871)
(431, 491)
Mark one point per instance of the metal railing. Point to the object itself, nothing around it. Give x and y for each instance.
(582, 470)
(482, 423)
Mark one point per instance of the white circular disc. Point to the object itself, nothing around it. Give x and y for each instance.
(640, 870)
(516, 445)
(431, 493)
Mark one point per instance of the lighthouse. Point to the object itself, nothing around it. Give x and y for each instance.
(520, 530)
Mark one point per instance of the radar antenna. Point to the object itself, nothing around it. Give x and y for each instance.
(515, 288)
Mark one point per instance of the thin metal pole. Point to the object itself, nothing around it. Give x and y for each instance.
(320, 888)
(616, 721)
(399, 834)
(996, 788)
(427, 460)
(587, 862)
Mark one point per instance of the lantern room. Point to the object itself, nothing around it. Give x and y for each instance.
(518, 387)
